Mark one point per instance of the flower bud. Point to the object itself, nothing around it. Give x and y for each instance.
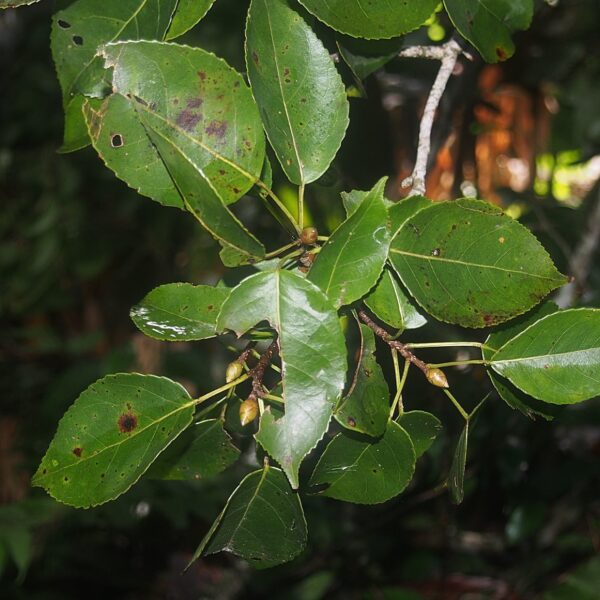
(437, 377)
(234, 370)
(248, 411)
(309, 236)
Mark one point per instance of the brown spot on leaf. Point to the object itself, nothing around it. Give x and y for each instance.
(488, 319)
(210, 307)
(202, 75)
(221, 171)
(127, 422)
(255, 58)
(77, 451)
(195, 102)
(187, 119)
(351, 422)
(217, 128)
(501, 53)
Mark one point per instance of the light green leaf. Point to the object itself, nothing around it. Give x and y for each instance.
(201, 451)
(180, 312)
(366, 407)
(301, 97)
(557, 359)
(110, 436)
(422, 427)
(188, 13)
(466, 262)
(78, 31)
(375, 19)
(351, 261)
(262, 522)
(488, 24)
(456, 476)
(192, 99)
(313, 356)
(362, 471)
(512, 395)
(391, 304)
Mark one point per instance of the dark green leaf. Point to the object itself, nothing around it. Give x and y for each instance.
(466, 262)
(262, 522)
(375, 19)
(557, 359)
(422, 427)
(402, 210)
(582, 583)
(351, 261)
(201, 451)
(79, 30)
(194, 101)
(301, 97)
(487, 24)
(391, 304)
(110, 436)
(512, 395)
(359, 470)
(366, 407)
(456, 476)
(180, 312)
(312, 352)
(188, 13)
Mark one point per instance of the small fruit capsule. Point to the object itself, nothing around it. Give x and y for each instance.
(234, 370)
(437, 377)
(309, 236)
(248, 411)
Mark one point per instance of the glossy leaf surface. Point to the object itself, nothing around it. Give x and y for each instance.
(512, 395)
(195, 103)
(180, 312)
(557, 359)
(110, 436)
(375, 19)
(488, 24)
(422, 427)
(203, 450)
(79, 30)
(15, 3)
(456, 476)
(356, 469)
(351, 261)
(262, 522)
(392, 305)
(468, 263)
(366, 406)
(188, 13)
(312, 352)
(300, 94)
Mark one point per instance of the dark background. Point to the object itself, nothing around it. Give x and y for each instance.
(78, 249)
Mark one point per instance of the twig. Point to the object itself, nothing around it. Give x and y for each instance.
(258, 372)
(448, 54)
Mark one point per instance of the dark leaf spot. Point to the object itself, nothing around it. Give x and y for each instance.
(351, 422)
(78, 40)
(63, 24)
(217, 128)
(116, 140)
(255, 58)
(501, 53)
(187, 119)
(221, 171)
(77, 452)
(202, 75)
(127, 422)
(195, 102)
(210, 307)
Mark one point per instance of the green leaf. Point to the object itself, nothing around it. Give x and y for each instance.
(350, 262)
(180, 312)
(488, 24)
(375, 19)
(201, 451)
(391, 304)
(366, 406)
(456, 476)
(403, 210)
(262, 522)
(363, 471)
(78, 31)
(186, 96)
(468, 263)
(513, 396)
(557, 359)
(110, 436)
(313, 356)
(582, 583)
(188, 14)
(301, 97)
(422, 427)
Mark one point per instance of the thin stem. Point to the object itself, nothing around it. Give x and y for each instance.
(274, 398)
(400, 381)
(210, 408)
(322, 238)
(448, 345)
(216, 392)
(282, 207)
(281, 250)
(458, 363)
(456, 403)
(301, 206)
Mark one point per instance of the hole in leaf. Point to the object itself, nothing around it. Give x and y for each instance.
(116, 140)
(63, 24)
(78, 40)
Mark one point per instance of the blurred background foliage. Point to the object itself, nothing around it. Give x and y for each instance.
(78, 249)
